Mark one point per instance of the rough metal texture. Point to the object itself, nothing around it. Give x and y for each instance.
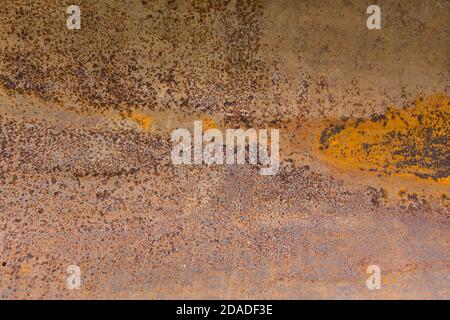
(85, 170)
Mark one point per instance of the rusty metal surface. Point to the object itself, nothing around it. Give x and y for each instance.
(87, 179)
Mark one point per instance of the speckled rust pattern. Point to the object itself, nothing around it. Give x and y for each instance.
(86, 176)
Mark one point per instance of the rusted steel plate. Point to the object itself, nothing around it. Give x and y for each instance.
(87, 178)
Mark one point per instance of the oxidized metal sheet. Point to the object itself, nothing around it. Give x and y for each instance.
(87, 179)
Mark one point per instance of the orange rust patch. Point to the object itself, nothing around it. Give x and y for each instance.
(402, 142)
(208, 123)
(25, 269)
(142, 120)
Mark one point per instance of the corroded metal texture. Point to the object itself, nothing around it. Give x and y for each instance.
(87, 179)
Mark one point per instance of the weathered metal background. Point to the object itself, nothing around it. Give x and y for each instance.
(86, 175)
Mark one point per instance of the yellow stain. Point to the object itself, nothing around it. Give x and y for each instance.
(389, 279)
(208, 123)
(401, 142)
(25, 268)
(142, 120)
